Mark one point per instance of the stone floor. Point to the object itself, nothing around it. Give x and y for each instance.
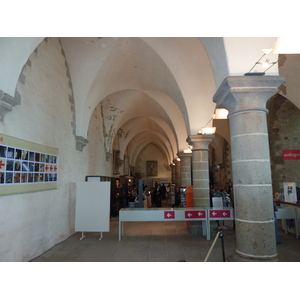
(156, 242)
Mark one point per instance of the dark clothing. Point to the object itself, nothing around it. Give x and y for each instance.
(177, 199)
(163, 191)
(157, 197)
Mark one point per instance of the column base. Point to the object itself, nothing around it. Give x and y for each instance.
(238, 258)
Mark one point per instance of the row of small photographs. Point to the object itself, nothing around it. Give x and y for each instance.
(24, 166)
(15, 153)
(9, 177)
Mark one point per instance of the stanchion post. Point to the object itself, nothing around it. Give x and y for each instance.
(219, 234)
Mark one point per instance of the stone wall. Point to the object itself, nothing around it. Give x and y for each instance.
(152, 152)
(284, 134)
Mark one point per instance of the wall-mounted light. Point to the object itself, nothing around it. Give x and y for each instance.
(220, 113)
(188, 149)
(207, 130)
(266, 64)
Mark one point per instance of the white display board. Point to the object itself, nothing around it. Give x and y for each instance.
(92, 206)
(289, 189)
(217, 201)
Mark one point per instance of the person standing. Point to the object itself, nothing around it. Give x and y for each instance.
(177, 198)
(157, 196)
(163, 191)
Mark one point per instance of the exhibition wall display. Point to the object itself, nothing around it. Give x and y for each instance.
(26, 166)
(290, 193)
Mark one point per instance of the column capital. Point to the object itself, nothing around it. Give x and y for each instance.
(244, 93)
(200, 141)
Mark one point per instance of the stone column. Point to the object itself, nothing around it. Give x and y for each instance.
(245, 98)
(200, 166)
(177, 172)
(185, 168)
(172, 166)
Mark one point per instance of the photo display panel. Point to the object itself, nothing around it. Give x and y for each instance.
(26, 166)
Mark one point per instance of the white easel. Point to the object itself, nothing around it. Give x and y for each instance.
(83, 236)
(92, 207)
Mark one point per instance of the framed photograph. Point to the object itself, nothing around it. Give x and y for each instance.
(151, 167)
(289, 189)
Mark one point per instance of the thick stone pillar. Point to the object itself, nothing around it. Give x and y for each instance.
(245, 98)
(172, 166)
(200, 166)
(185, 168)
(177, 172)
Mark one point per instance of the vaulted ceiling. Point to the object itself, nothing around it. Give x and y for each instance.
(151, 90)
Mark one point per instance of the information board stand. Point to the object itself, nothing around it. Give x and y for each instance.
(92, 207)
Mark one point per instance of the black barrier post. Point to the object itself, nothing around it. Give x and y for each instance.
(221, 236)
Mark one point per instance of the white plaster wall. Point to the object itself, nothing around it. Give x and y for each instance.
(14, 52)
(31, 223)
(243, 52)
(151, 152)
(96, 147)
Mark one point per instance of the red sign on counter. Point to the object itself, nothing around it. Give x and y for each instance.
(195, 214)
(290, 154)
(169, 214)
(223, 214)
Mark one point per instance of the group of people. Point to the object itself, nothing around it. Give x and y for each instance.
(161, 192)
(226, 194)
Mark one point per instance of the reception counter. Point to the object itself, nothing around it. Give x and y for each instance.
(203, 214)
(289, 213)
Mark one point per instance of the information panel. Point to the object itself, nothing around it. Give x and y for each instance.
(26, 166)
(92, 207)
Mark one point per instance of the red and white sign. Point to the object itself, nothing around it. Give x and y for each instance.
(169, 214)
(195, 214)
(2, 164)
(217, 214)
(290, 154)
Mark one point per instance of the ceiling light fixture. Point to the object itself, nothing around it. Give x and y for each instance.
(265, 64)
(220, 113)
(207, 130)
